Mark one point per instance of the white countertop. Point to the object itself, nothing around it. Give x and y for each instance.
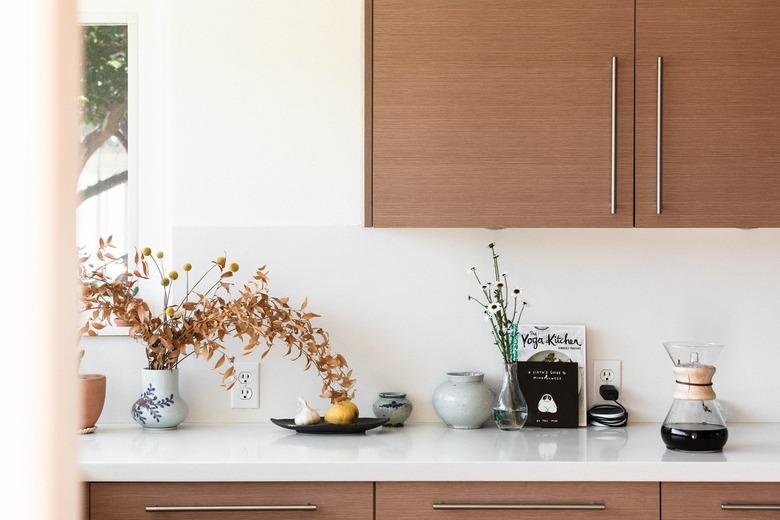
(264, 452)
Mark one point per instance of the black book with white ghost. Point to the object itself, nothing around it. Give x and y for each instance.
(551, 392)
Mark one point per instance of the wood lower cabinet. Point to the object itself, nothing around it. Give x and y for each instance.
(433, 500)
(84, 501)
(711, 500)
(499, 113)
(233, 500)
(720, 113)
(526, 500)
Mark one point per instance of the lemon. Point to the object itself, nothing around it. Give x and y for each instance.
(343, 412)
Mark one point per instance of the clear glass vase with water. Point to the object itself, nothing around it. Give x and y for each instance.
(510, 410)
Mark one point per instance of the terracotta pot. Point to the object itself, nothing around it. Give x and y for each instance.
(93, 395)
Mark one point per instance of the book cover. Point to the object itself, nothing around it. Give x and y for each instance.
(550, 388)
(556, 343)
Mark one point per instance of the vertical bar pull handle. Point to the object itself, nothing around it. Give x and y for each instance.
(613, 199)
(658, 136)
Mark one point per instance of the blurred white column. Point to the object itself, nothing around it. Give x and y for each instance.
(38, 145)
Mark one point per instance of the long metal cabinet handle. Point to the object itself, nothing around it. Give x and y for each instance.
(658, 135)
(750, 507)
(189, 509)
(613, 200)
(523, 507)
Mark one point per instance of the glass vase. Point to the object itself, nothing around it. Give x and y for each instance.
(510, 410)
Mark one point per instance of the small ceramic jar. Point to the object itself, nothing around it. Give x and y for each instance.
(464, 401)
(393, 406)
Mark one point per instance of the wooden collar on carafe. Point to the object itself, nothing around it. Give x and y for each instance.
(694, 383)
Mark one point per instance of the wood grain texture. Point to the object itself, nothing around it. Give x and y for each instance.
(702, 501)
(721, 112)
(334, 500)
(84, 503)
(368, 110)
(498, 113)
(414, 500)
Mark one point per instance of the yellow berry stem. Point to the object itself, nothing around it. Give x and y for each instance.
(165, 289)
(189, 291)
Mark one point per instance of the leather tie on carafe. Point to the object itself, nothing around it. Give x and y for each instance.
(694, 383)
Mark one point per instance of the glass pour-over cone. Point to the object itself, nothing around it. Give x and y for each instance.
(694, 421)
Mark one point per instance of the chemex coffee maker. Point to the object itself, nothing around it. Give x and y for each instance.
(694, 422)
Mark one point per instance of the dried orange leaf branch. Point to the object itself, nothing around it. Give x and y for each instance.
(201, 322)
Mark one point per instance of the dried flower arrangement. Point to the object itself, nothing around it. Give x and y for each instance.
(201, 321)
(496, 302)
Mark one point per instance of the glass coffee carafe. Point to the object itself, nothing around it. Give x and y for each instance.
(694, 422)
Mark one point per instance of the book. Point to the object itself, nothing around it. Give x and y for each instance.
(550, 388)
(555, 343)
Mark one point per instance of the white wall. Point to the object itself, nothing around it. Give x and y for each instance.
(265, 155)
(267, 112)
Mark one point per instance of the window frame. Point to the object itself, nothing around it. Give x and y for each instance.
(132, 215)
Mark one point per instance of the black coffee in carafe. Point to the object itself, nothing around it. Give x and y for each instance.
(694, 437)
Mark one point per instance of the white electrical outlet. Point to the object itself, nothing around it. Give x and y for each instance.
(605, 372)
(246, 392)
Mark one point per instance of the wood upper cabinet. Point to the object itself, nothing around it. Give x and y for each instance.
(498, 113)
(720, 113)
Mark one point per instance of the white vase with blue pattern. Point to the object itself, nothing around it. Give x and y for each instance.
(160, 406)
(393, 406)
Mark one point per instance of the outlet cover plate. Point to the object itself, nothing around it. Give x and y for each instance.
(605, 372)
(246, 392)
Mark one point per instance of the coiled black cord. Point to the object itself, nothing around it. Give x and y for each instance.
(612, 415)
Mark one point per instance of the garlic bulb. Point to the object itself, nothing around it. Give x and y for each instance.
(306, 415)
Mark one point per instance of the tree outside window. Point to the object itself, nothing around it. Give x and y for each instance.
(103, 182)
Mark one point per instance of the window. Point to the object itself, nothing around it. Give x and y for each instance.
(104, 187)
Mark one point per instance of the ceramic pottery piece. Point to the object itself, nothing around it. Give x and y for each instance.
(464, 401)
(394, 406)
(362, 425)
(160, 406)
(93, 396)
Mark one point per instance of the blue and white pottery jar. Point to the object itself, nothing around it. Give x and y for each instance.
(160, 406)
(393, 406)
(464, 401)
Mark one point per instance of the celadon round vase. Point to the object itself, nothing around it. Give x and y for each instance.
(464, 401)
(160, 407)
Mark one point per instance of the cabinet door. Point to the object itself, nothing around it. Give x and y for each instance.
(526, 500)
(498, 113)
(727, 500)
(720, 113)
(233, 500)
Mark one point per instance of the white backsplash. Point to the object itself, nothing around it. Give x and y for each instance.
(395, 304)
(283, 146)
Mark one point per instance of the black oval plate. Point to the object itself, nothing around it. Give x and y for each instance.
(362, 425)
